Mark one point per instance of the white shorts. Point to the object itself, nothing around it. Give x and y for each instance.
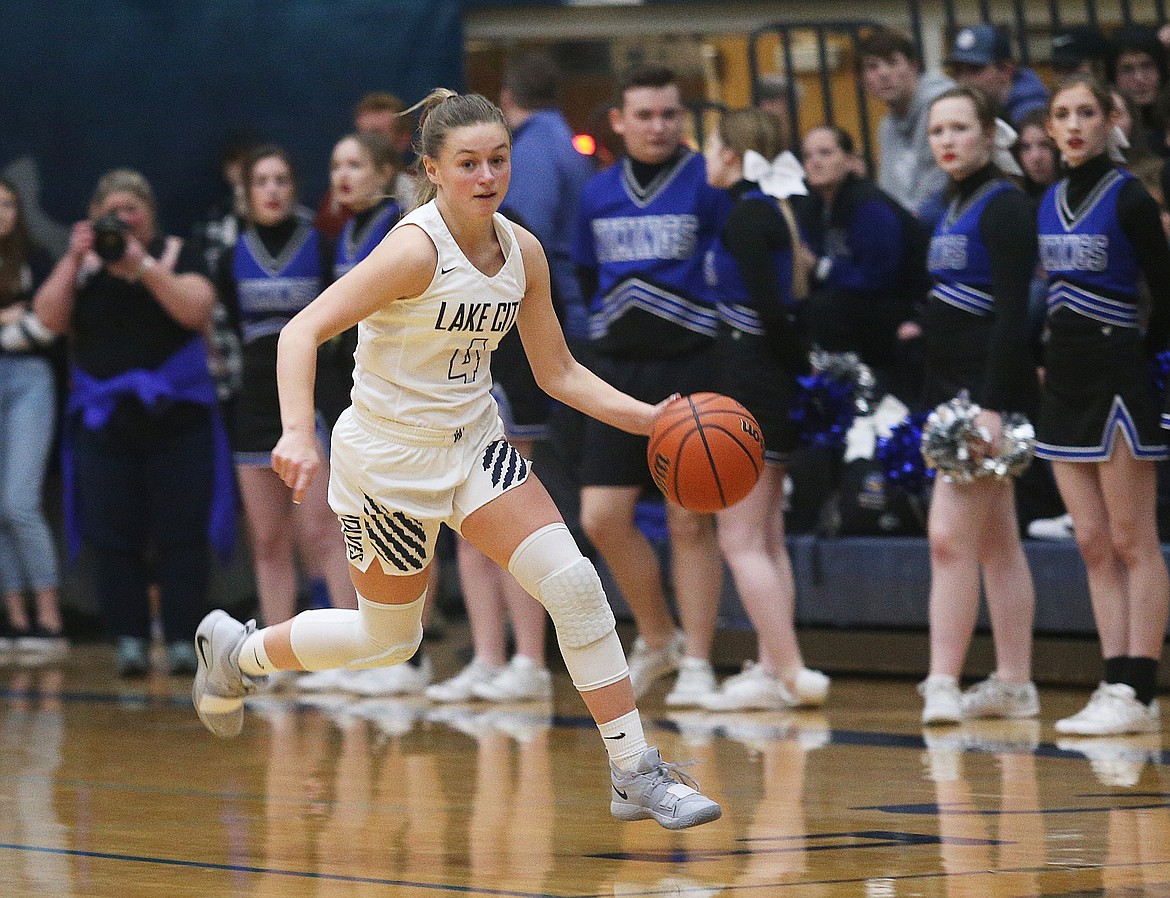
(391, 485)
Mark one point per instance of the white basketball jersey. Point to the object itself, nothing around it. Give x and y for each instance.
(425, 361)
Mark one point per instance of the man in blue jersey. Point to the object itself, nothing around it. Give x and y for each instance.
(643, 229)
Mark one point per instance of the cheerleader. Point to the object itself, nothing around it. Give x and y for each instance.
(982, 257)
(278, 266)
(760, 269)
(1100, 237)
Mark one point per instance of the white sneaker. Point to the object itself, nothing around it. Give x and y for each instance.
(398, 679)
(696, 680)
(995, 698)
(658, 790)
(942, 700)
(1051, 528)
(330, 680)
(1113, 710)
(812, 688)
(754, 689)
(459, 687)
(647, 665)
(521, 680)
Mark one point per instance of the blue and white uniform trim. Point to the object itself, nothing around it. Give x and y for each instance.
(742, 318)
(964, 297)
(1119, 420)
(1092, 305)
(637, 293)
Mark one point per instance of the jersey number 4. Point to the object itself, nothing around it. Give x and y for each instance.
(465, 362)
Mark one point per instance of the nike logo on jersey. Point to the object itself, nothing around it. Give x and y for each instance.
(624, 796)
(448, 270)
(618, 736)
(201, 644)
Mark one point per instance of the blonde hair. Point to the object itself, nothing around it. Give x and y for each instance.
(443, 111)
(123, 180)
(751, 129)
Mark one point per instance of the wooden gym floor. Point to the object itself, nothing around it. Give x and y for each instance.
(114, 789)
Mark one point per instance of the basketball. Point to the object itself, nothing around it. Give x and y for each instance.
(706, 452)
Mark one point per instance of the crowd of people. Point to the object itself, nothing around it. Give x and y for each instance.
(1010, 243)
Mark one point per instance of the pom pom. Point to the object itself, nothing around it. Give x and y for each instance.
(900, 455)
(839, 388)
(960, 450)
(1162, 370)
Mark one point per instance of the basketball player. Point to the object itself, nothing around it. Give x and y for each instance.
(423, 444)
(643, 229)
(1101, 242)
(982, 257)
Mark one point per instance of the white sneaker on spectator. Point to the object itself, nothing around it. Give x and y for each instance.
(398, 679)
(647, 665)
(520, 680)
(1113, 710)
(459, 687)
(942, 699)
(753, 689)
(812, 688)
(995, 698)
(696, 681)
(1051, 528)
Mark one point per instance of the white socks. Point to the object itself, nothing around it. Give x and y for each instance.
(624, 740)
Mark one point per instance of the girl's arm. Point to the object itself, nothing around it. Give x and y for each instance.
(401, 267)
(555, 369)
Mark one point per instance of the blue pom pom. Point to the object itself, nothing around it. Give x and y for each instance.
(900, 455)
(824, 410)
(1162, 370)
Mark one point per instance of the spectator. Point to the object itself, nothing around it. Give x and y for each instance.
(278, 266)
(982, 57)
(780, 98)
(147, 473)
(892, 70)
(28, 415)
(1036, 154)
(644, 228)
(1140, 71)
(871, 263)
(1081, 49)
(549, 176)
(760, 269)
(381, 112)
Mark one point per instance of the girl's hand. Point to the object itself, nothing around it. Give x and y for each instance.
(990, 426)
(909, 330)
(296, 460)
(653, 411)
(80, 240)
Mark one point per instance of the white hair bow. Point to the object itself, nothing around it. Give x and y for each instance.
(781, 178)
(1005, 139)
(1117, 144)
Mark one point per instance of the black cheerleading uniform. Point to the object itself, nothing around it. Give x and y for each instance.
(1100, 235)
(273, 272)
(982, 257)
(762, 347)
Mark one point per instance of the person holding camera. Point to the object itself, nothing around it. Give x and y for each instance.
(145, 463)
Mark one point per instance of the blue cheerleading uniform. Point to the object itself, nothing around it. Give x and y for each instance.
(762, 347)
(1099, 237)
(981, 258)
(362, 232)
(271, 274)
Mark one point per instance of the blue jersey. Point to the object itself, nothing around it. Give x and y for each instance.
(735, 305)
(357, 243)
(959, 261)
(1092, 267)
(648, 246)
(271, 291)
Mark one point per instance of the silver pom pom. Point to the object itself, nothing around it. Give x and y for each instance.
(961, 451)
(847, 368)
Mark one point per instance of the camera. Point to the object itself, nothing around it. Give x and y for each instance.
(109, 237)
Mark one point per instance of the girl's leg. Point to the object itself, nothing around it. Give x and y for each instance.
(759, 564)
(1011, 599)
(697, 574)
(481, 581)
(1081, 489)
(268, 508)
(319, 539)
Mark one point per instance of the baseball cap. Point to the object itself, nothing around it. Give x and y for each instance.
(1079, 43)
(980, 45)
